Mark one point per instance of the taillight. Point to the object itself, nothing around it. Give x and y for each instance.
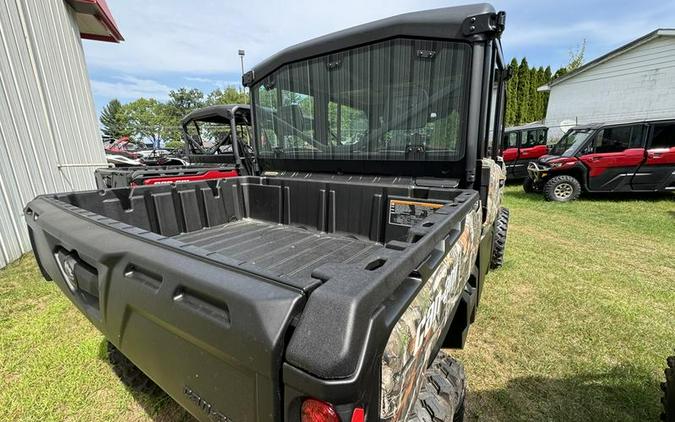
(359, 415)
(318, 411)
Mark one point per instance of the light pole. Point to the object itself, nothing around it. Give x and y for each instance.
(242, 53)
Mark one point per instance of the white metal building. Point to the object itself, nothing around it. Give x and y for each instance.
(49, 136)
(635, 81)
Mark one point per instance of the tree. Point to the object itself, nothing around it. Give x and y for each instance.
(147, 118)
(523, 92)
(547, 78)
(577, 56)
(229, 95)
(113, 123)
(512, 94)
(182, 101)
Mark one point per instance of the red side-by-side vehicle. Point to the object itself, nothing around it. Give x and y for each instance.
(617, 157)
(520, 146)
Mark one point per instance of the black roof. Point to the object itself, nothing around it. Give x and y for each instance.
(443, 23)
(533, 125)
(622, 122)
(220, 114)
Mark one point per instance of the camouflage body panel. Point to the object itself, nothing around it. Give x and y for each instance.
(495, 190)
(408, 350)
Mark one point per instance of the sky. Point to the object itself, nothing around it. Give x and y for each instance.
(178, 43)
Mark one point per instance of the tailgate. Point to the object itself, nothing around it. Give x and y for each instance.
(206, 332)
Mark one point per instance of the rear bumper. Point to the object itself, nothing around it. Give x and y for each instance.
(194, 326)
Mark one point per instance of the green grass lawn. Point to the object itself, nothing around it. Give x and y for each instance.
(576, 325)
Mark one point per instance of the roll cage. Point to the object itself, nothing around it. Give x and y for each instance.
(233, 116)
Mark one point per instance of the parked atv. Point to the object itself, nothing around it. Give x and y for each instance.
(216, 146)
(626, 157)
(522, 145)
(323, 285)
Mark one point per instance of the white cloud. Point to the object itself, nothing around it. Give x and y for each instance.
(218, 83)
(197, 42)
(129, 88)
(204, 37)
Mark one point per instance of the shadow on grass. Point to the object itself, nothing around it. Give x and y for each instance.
(608, 196)
(623, 393)
(628, 196)
(157, 405)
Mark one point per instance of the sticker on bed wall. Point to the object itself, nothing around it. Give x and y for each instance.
(408, 213)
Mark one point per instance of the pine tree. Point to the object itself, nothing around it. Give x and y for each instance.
(547, 79)
(113, 123)
(538, 112)
(523, 91)
(512, 94)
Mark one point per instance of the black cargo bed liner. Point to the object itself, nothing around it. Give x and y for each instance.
(282, 250)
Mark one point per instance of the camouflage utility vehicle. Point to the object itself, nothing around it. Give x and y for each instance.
(323, 286)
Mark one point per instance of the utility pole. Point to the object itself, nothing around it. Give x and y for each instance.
(242, 53)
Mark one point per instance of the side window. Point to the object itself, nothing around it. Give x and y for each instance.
(510, 140)
(541, 136)
(618, 139)
(529, 138)
(663, 136)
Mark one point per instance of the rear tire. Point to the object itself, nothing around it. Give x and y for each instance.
(499, 240)
(442, 396)
(562, 188)
(668, 388)
(128, 373)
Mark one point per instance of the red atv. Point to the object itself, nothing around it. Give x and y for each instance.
(522, 145)
(626, 157)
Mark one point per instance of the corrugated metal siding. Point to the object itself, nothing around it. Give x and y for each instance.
(47, 114)
(639, 84)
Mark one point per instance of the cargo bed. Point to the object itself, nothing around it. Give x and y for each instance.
(284, 251)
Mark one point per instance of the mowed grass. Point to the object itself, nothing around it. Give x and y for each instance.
(575, 327)
(577, 324)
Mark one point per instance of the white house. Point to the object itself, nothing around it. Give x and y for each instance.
(635, 81)
(49, 136)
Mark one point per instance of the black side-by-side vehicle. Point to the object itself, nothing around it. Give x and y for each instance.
(217, 145)
(322, 286)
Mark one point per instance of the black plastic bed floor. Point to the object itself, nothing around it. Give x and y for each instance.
(285, 251)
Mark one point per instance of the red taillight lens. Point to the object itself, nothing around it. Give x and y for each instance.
(359, 415)
(318, 411)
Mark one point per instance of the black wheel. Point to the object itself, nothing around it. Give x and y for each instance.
(499, 240)
(529, 186)
(668, 387)
(129, 373)
(443, 393)
(562, 189)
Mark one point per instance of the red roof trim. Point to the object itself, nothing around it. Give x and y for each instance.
(94, 37)
(99, 9)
